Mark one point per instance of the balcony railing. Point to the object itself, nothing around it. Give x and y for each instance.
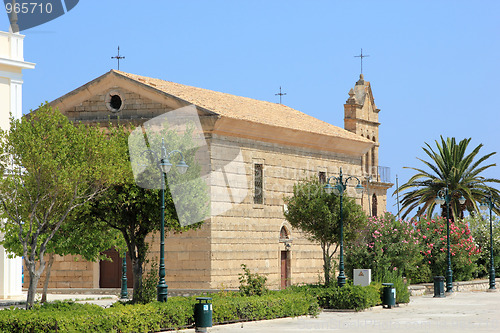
(379, 174)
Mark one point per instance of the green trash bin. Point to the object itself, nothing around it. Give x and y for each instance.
(439, 286)
(202, 314)
(389, 295)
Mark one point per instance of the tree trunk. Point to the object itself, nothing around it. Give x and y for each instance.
(34, 278)
(137, 272)
(326, 264)
(47, 277)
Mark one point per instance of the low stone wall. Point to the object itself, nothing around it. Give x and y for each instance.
(475, 285)
(116, 291)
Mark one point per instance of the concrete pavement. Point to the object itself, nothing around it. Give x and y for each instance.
(459, 312)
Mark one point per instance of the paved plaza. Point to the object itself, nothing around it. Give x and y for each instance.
(460, 312)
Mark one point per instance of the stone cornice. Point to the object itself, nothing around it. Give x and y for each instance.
(285, 136)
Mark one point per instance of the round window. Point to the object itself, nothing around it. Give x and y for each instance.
(114, 101)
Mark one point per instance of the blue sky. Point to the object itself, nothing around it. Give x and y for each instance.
(433, 65)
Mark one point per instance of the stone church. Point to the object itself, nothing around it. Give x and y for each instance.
(257, 151)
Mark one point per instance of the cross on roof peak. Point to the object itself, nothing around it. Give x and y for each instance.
(118, 57)
(280, 94)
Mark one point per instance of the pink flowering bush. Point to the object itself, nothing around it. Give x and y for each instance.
(415, 248)
(464, 252)
(388, 245)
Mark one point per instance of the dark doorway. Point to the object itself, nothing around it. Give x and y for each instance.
(285, 276)
(110, 272)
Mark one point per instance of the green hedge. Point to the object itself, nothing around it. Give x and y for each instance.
(177, 312)
(348, 297)
(271, 305)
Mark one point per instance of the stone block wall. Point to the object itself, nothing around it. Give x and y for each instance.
(135, 107)
(69, 272)
(249, 233)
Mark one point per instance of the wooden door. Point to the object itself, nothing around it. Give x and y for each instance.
(284, 269)
(110, 272)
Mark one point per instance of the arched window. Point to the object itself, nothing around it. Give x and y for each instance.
(284, 234)
(374, 205)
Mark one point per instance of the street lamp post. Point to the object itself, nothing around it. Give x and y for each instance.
(338, 189)
(483, 206)
(124, 290)
(444, 196)
(165, 166)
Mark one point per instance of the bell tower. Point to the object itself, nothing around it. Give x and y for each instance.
(361, 117)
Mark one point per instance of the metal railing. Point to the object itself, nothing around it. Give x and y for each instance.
(378, 174)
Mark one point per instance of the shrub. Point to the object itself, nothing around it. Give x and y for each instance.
(252, 283)
(272, 305)
(148, 293)
(464, 252)
(177, 312)
(387, 244)
(347, 297)
(480, 229)
(402, 292)
(415, 249)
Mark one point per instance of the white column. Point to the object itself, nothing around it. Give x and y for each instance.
(11, 277)
(16, 98)
(11, 65)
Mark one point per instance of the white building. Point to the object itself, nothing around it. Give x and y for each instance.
(11, 80)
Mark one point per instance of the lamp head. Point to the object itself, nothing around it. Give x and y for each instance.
(328, 188)
(182, 167)
(483, 206)
(439, 200)
(359, 188)
(165, 165)
(461, 200)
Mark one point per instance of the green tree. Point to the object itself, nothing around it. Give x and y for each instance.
(135, 211)
(450, 165)
(51, 167)
(317, 214)
(74, 237)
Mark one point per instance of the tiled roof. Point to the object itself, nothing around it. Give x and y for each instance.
(244, 108)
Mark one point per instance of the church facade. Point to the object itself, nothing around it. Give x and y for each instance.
(257, 151)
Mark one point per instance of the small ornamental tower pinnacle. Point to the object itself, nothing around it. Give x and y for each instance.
(361, 81)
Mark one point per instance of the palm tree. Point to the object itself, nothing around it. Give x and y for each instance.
(452, 167)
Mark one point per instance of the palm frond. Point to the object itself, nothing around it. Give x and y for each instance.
(453, 167)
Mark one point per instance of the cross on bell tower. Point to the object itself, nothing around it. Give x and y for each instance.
(361, 56)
